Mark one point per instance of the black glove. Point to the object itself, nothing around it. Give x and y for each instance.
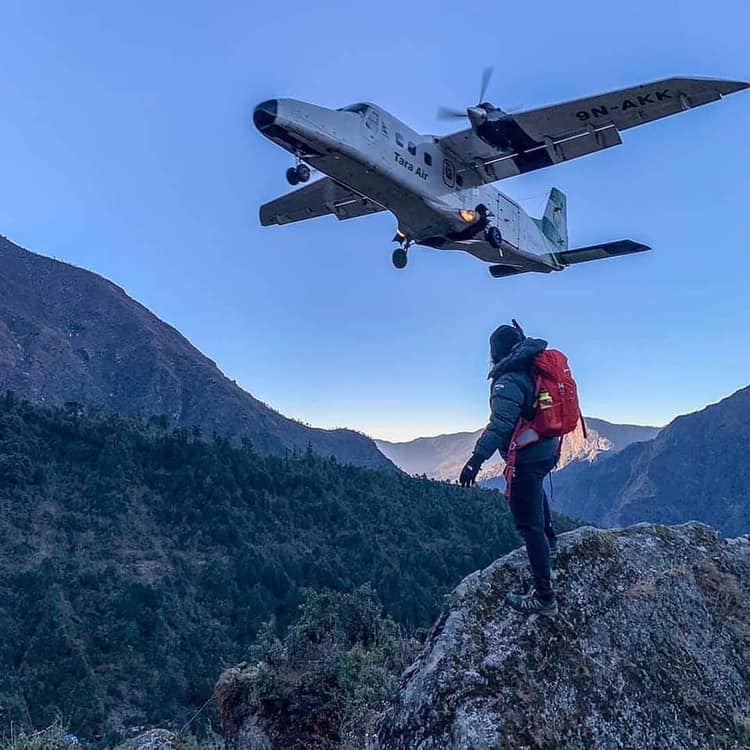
(470, 471)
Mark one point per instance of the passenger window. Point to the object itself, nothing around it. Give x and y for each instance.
(459, 181)
(384, 128)
(428, 159)
(372, 120)
(400, 139)
(412, 148)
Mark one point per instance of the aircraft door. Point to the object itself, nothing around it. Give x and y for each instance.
(508, 220)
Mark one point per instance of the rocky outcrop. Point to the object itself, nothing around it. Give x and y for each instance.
(153, 739)
(242, 727)
(651, 650)
(67, 334)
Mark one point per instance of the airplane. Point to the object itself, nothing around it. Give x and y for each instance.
(439, 187)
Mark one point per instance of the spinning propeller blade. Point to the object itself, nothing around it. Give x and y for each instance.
(450, 113)
(486, 77)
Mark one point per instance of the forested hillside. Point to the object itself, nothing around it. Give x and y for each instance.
(139, 560)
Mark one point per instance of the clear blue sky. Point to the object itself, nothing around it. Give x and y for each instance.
(126, 147)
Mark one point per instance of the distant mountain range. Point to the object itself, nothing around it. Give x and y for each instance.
(67, 334)
(443, 456)
(696, 468)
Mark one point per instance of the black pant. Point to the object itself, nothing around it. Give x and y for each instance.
(549, 530)
(530, 509)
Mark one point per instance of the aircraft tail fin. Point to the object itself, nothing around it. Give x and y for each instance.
(554, 223)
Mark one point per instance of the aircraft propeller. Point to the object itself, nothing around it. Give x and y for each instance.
(476, 114)
(480, 112)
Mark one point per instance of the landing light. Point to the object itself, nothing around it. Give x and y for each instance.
(468, 215)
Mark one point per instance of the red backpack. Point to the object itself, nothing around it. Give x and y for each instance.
(557, 411)
(556, 408)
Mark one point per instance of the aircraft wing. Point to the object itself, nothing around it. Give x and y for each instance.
(319, 198)
(541, 137)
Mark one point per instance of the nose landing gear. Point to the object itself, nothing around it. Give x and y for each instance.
(300, 173)
(400, 257)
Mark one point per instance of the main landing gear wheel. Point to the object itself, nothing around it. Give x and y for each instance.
(400, 258)
(300, 173)
(494, 237)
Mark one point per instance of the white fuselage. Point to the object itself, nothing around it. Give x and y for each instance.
(376, 155)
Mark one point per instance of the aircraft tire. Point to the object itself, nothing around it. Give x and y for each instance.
(291, 176)
(494, 237)
(303, 172)
(400, 258)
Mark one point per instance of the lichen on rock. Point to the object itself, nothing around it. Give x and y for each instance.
(651, 650)
(153, 739)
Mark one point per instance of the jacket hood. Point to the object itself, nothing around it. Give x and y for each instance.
(519, 358)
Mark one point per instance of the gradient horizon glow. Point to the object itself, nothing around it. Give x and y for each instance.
(127, 147)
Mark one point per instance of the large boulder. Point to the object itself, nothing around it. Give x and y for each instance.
(153, 739)
(651, 650)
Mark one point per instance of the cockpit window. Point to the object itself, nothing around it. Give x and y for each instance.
(372, 120)
(358, 109)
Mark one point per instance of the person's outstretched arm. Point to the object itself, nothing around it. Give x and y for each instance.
(506, 404)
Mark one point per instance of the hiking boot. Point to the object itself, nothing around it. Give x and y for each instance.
(531, 604)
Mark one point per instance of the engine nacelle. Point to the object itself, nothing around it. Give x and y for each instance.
(501, 131)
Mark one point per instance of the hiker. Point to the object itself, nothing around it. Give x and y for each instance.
(514, 402)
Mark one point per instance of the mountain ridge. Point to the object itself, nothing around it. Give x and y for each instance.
(695, 468)
(69, 334)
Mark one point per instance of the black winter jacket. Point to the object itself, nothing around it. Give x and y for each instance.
(511, 395)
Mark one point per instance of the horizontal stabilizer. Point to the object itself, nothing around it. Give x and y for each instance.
(500, 271)
(597, 252)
